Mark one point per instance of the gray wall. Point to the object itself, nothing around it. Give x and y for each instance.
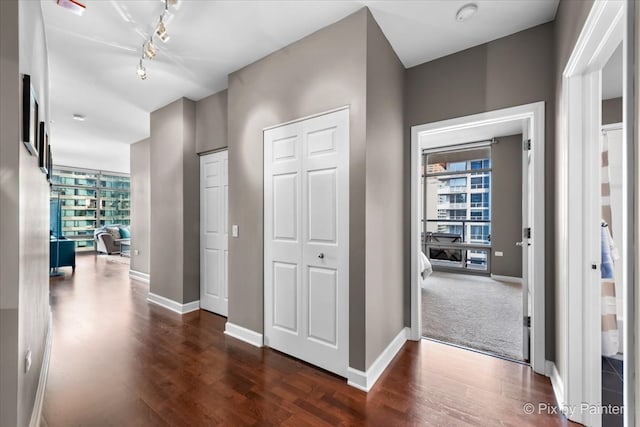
(384, 188)
(175, 207)
(506, 205)
(211, 122)
(321, 72)
(24, 215)
(612, 111)
(570, 19)
(514, 70)
(140, 206)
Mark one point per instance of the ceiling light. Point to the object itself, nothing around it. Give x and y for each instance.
(149, 49)
(466, 12)
(79, 117)
(161, 31)
(142, 72)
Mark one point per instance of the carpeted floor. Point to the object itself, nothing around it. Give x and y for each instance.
(473, 311)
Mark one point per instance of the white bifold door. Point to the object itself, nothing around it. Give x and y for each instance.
(214, 236)
(306, 240)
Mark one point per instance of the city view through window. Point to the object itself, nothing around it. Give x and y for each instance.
(456, 222)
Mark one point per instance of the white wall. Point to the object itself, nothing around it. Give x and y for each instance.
(106, 156)
(24, 215)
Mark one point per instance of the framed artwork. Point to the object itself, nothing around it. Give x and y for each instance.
(30, 120)
(43, 148)
(49, 163)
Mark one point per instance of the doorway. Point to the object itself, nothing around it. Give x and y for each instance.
(474, 296)
(581, 223)
(527, 120)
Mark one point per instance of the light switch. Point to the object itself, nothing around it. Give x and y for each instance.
(234, 230)
(499, 253)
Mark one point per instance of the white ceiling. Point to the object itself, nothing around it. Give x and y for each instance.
(93, 58)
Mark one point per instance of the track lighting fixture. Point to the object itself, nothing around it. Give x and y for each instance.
(142, 72)
(161, 31)
(149, 49)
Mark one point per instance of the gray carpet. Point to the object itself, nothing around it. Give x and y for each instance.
(473, 311)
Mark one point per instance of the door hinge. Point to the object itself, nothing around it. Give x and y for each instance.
(527, 232)
(527, 321)
(527, 145)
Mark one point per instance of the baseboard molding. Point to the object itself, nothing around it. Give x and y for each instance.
(556, 382)
(138, 275)
(365, 380)
(243, 334)
(509, 279)
(173, 305)
(36, 413)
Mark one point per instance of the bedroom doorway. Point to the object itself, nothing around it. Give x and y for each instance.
(474, 297)
(526, 123)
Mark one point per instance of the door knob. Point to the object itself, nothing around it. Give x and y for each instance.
(321, 256)
(519, 243)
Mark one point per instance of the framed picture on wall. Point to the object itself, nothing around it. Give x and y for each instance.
(29, 116)
(43, 147)
(49, 163)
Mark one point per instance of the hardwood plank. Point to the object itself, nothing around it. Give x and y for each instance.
(118, 360)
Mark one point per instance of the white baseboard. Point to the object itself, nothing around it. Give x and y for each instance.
(36, 413)
(509, 279)
(365, 380)
(556, 382)
(173, 305)
(243, 334)
(138, 275)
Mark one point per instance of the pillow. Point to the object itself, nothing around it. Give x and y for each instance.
(124, 233)
(114, 231)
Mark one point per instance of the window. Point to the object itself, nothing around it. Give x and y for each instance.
(480, 164)
(480, 181)
(88, 200)
(480, 200)
(457, 203)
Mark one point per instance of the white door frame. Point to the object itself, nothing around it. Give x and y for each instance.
(579, 213)
(534, 115)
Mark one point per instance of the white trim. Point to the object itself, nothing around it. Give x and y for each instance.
(243, 334)
(509, 279)
(365, 380)
(140, 276)
(556, 383)
(172, 305)
(533, 113)
(301, 119)
(36, 413)
(612, 126)
(580, 130)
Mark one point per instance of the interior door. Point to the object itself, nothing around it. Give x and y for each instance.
(214, 237)
(306, 240)
(526, 241)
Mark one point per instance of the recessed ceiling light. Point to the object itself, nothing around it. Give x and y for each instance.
(466, 12)
(79, 117)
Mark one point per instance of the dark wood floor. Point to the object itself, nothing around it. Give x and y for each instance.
(120, 361)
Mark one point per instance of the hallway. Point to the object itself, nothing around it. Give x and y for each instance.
(118, 360)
